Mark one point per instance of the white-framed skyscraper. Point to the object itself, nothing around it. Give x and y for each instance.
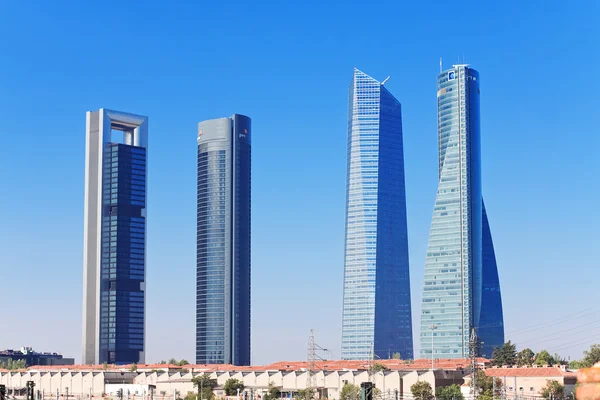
(461, 288)
(114, 244)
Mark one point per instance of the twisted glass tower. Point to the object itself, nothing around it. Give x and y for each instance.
(223, 242)
(376, 309)
(461, 287)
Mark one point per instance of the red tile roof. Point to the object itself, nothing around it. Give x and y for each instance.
(332, 365)
(545, 372)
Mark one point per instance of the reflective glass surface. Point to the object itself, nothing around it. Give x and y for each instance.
(212, 295)
(223, 243)
(454, 268)
(376, 306)
(123, 254)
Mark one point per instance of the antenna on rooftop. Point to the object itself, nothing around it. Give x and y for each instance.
(440, 64)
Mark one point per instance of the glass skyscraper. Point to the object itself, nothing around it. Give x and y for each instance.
(114, 237)
(223, 241)
(377, 307)
(461, 287)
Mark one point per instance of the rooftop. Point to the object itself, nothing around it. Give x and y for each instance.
(333, 365)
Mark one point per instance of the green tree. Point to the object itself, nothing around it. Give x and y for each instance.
(591, 356)
(172, 361)
(485, 386)
(553, 390)
(396, 356)
(575, 364)
(421, 391)
(273, 393)
(133, 367)
(378, 367)
(505, 355)
(525, 357)
(543, 358)
(305, 394)
(451, 392)
(232, 385)
(182, 362)
(191, 396)
(205, 386)
(12, 365)
(350, 392)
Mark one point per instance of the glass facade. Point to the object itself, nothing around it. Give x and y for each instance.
(458, 268)
(223, 242)
(121, 338)
(376, 307)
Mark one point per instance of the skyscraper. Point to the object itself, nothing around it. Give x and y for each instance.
(114, 237)
(461, 287)
(223, 242)
(376, 310)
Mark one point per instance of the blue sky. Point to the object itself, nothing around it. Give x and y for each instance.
(288, 66)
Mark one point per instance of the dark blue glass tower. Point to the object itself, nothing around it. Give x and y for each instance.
(491, 320)
(377, 306)
(123, 254)
(223, 241)
(115, 238)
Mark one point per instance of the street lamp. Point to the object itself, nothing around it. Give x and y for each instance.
(432, 327)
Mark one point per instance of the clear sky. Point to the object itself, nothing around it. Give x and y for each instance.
(288, 66)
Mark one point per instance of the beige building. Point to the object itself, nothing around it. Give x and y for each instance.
(527, 382)
(168, 382)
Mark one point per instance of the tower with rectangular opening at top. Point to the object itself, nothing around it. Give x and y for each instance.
(114, 243)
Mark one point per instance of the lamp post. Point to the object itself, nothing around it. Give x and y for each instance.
(432, 327)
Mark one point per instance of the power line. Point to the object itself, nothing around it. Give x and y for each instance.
(577, 342)
(555, 321)
(557, 333)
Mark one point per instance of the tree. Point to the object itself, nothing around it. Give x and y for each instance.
(232, 386)
(273, 393)
(133, 367)
(378, 367)
(421, 391)
(495, 355)
(543, 358)
(553, 390)
(396, 356)
(525, 357)
(506, 355)
(559, 360)
(350, 392)
(11, 364)
(172, 361)
(591, 356)
(451, 392)
(576, 364)
(182, 362)
(305, 394)
(485, 386)
(205, 386)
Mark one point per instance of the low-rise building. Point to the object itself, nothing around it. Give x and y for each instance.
(526, 383)
(32, 357)
(392, 378)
